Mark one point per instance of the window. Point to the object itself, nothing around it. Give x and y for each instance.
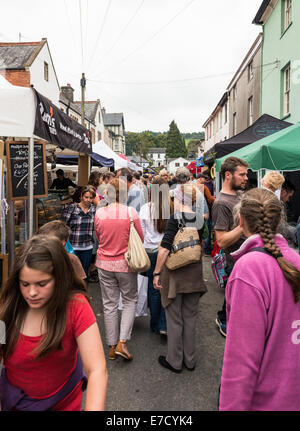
(158, 156)
(177, 165)
(185, 164)
(225, 113)
(250, 111)
(234, 92)
(287, 13)
(250, 71)
(99, 136)
(46, 71)
(234, 124)
(286, 90)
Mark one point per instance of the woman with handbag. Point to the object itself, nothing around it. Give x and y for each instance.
(154, 216)
(112, 227)
(181, 288)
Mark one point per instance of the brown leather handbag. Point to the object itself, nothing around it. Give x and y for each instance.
(186, 248)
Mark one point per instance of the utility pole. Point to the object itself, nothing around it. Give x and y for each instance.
(83, 85)
(83, 159)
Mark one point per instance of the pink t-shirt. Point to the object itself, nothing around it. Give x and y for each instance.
(112, 227)
(261, 367)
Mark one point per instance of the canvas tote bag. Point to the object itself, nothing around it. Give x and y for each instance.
(186, 248)
(136, 255)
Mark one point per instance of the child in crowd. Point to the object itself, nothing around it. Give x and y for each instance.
(51, 331)
(60, 230)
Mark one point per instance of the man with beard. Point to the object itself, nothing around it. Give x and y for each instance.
(228, 237)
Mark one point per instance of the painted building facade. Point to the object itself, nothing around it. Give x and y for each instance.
(280, 83)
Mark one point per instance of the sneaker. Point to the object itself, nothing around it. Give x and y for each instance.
(221, 326)
(163, 332)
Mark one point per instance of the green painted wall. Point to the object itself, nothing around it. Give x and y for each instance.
(284, 46)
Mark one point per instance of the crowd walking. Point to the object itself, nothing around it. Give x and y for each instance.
(54, 345)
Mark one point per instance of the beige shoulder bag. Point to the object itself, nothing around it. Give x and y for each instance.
(186, 248)
(136, 255)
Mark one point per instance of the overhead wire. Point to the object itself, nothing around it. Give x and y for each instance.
(124, 29)
(100, 33)
(172, 81)
(151, 37)
(81, 35)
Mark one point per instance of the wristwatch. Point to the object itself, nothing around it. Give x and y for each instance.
(155, 274)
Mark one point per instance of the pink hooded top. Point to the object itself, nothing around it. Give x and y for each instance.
(261, 367)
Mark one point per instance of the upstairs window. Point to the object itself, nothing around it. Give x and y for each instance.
(287, 13)
(250, 111)
(225, 113)
(234, 124)
(250, 71)
(46, 71)
(286, 90)
(234, 92)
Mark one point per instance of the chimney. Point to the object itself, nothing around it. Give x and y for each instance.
(103, 110)
(68, 92)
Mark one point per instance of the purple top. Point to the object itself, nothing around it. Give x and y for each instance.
(262, 353)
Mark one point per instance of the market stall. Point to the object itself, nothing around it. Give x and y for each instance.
(26, 115)
(279, 151)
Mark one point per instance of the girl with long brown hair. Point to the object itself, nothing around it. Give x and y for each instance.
(260, 367)
(51, 331)
(154, 216)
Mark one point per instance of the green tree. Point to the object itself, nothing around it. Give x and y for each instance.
(175, 142)
(160, 140)
(147, 141)
(132, 140)
(192, 147)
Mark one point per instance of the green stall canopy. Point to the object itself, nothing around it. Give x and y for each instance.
(279, 151)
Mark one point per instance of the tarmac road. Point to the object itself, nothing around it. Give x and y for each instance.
(144, 385)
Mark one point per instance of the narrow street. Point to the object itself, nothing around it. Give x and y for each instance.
(143, 385)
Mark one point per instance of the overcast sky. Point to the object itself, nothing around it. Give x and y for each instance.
(140, 56)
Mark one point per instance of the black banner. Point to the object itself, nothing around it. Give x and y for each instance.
(56, 127)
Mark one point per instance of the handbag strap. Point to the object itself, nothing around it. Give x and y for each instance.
(182, 245)
(130, 215)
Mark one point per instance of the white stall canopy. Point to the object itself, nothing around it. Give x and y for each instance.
(17, 110)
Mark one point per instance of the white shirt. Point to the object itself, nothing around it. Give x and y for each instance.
(151, 237)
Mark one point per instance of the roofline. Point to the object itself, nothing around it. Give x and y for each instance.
(261, 11)
(35, 53)
(239, 70)
(78, 113)
(220, 104)
(250, 54)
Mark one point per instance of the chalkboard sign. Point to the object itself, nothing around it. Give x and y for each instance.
(17, 164)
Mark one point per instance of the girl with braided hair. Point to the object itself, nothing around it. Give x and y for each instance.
(262, 353)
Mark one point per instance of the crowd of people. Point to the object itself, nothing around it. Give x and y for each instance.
(51, 329)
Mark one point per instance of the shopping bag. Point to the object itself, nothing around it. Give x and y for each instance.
(142, 303)
(218, 264)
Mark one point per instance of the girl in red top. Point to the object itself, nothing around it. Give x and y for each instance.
(50, 328)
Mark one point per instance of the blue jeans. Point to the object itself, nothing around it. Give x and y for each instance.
(157, 312)
(207, 245)
(85, 257)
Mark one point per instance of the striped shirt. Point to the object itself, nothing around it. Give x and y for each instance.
(81, 224)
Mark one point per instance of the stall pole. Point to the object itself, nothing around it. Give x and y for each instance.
(217, 183)
(30, 185)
